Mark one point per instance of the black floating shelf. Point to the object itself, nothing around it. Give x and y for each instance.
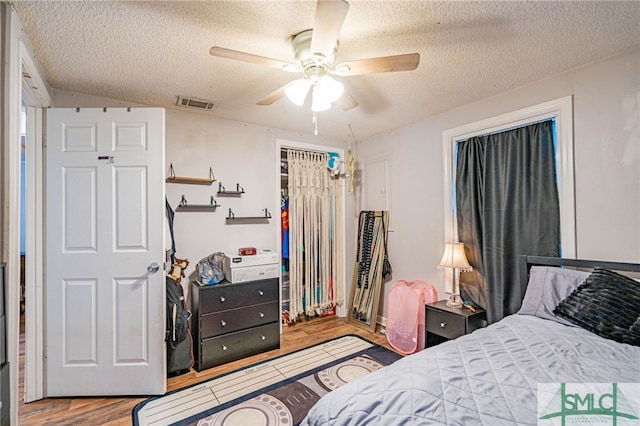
(172, 178)
(184, 206)
(222, 192)
(231, 218)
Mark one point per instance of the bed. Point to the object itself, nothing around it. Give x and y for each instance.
(564, 337)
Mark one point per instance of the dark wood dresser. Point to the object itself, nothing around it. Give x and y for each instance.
(233, 321)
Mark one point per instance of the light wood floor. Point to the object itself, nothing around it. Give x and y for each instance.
(117, 410)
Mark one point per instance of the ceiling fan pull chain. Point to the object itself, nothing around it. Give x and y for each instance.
(315, 122)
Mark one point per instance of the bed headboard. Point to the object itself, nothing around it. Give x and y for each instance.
(526, 262)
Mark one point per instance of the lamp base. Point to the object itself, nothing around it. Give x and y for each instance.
(455, 301)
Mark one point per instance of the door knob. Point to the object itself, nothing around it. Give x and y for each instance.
(153, 268)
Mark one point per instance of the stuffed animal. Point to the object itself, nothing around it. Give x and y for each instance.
(177, 269)
(335, 164)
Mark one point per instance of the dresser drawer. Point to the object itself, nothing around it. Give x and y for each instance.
(445, 324)
(225, 296)
(237, 319)
(232, 346)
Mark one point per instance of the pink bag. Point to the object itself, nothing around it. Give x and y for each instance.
(405, 314)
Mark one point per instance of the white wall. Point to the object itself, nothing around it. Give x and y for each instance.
(238, 153)
(607, 167)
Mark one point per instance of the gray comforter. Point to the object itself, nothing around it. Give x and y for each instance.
(489, 377)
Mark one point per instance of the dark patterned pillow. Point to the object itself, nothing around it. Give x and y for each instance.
(607, 304)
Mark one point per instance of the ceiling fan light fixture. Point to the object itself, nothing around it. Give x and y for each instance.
(297, 91)
(319, 101)
(330, 89)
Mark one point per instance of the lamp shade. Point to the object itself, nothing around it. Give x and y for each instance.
(325, 91)
(454, 257)
(297, 91)
(330, 89)
(318, 101)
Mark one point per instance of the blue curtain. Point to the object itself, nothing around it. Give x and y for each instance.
(507, 205)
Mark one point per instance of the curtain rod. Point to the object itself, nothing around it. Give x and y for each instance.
(313, 151)
(519, 126)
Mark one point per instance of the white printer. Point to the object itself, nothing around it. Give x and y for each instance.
(262, 265)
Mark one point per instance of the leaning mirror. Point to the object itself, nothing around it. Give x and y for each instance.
(370, 266)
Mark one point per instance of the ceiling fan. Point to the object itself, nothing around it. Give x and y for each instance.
(314, 52)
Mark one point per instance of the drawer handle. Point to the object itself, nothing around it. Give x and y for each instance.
(222, 299)
(261, 293)
(261, 315)
(223, 323)
(443, 324)
(262, 337)
(224, 348)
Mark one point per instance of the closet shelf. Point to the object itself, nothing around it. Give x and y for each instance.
(258, 219)
(224, 193)
(184, 206)
(172, 178)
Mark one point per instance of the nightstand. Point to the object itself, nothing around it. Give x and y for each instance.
(443, 323)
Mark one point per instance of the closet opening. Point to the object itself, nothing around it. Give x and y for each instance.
(311, 233)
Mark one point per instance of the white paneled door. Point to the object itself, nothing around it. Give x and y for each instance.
(105, 291)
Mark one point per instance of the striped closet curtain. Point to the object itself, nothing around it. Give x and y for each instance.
(315, 235)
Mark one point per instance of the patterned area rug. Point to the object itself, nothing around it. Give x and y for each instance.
(275, 392)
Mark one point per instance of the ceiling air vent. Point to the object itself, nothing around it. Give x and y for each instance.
(195, 103)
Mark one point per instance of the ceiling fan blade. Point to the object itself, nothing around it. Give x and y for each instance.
(347, 102)
(222, 52)
(406, 62)
(274, 96)
(330, 15)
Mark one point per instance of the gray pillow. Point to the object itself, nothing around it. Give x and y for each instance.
(547, 287)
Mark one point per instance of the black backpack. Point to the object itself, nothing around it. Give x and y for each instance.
(179, 341)
(179, 347)
(177, 314)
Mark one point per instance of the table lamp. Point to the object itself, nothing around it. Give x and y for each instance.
(454, 258)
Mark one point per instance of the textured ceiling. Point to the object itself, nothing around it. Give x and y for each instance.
(150, 52)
